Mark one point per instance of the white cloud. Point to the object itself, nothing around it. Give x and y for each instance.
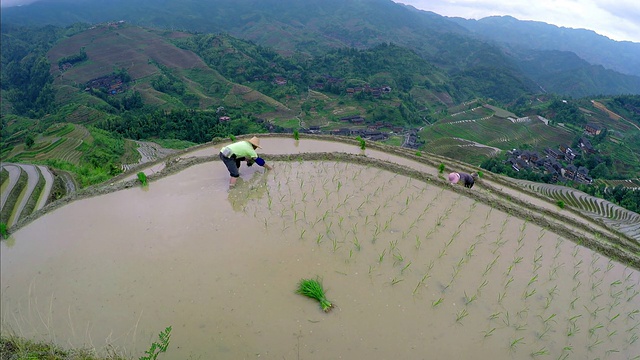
(616, 19)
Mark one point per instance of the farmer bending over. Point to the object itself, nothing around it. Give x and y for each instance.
(468, 179)
(244, 150)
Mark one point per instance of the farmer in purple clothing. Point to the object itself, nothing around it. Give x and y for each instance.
(245, 150)
(467, 179)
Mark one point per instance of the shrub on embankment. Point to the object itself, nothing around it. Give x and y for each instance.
(14, 347)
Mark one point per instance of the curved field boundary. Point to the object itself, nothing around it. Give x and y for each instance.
(32, 198)
(8, 210)
(492, 193)
(31, 155)
(14, 174)
(48, 185)
(605, 211)
(61, 130)
(33, 175)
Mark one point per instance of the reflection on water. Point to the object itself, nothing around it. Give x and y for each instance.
(416, 271)
(248, 190)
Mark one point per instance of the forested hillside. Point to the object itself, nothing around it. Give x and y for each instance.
(315, 26)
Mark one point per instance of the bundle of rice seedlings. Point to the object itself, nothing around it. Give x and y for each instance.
(313, 289)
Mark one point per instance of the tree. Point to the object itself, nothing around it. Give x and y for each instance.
(29, 141)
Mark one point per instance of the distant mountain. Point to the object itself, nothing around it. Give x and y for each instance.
(317, 26)
(621, 56)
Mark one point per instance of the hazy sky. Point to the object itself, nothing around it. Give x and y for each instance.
(616, 19)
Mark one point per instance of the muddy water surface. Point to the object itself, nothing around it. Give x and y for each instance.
(415, 271)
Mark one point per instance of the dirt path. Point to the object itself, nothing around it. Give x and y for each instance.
(611, 114)
(14, 174)
(48, 184)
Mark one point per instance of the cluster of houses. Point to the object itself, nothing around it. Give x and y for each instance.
(550, 164)
(111, 84)
(329, 80)
(554, 159)
(373, 132)
(278, 80)
(374, 91)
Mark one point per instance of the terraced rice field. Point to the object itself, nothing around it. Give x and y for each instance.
(497, 132)
(611, 214)
(414, 266)
(60, 142)
(21, 198)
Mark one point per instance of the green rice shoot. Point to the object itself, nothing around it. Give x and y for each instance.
(142, 177)
(313, 288)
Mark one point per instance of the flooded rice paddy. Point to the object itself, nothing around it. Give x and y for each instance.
(416, 271)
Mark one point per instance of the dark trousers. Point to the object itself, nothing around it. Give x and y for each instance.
(232, 163)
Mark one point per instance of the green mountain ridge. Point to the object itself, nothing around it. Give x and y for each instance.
(316, 26)
(621, 56)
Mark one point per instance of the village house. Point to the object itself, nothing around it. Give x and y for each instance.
(582, 175)
(585, 145)
(554, 153)
(279, 80)
(570, 172)
(592, 129)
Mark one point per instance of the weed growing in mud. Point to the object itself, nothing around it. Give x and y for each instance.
(142, 177)
(3, 231)
(418, 153)
(363, 145)
(158, 347)
(440, 168)
(296, 134)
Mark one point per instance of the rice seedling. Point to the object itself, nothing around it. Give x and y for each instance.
(468, 300)
(437, 302)
(514, 343)
(520, 327)
(573, 329)
(381, 257)
(335, 245)
(594, 344)
(528, 293)
(405, 267)
(396, 280)
(356, 243)
(313, 288)
(296, 134)
(488, 333)
(461, 315)
(142, 178)
(362, 143)
(541, 352)
(398, 258)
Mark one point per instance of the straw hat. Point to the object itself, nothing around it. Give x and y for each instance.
(255, 142)
(454, 177)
